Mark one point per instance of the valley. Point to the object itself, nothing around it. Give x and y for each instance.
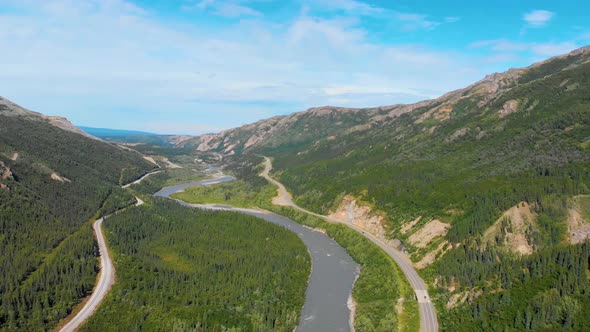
(467, 212)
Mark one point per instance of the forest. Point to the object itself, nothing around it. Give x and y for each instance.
(48, 262)
(182, 269)
(466, 172)
(380, 284)
(549, 290)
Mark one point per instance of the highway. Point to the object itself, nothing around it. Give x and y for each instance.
(428, 318)
(106, 278)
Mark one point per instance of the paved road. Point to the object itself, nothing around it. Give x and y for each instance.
(140, 179)
(428, 319)
(106, 278)
(333, 270)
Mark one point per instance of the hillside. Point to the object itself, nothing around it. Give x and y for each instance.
(479, 185)
(54, 179)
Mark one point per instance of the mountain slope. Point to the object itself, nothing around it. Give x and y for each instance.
(477, 185)
(328, 122)
(54, 179)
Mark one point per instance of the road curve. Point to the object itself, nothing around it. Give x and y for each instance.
(107, 273)
(333, 273)
(428, 318)
(141, 179)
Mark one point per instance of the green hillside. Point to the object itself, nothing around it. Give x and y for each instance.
(500, 163)
(53, 181)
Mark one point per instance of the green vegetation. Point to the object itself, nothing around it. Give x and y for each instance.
(184, 269)
(168, 177)
(48, 261)
(466, 171)
(545, 291)
(237, 193)
(380, 283)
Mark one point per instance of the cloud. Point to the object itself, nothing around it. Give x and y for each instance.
(552, 49)
(537, 49)
(223, 8)
(235, 10)
(416, 21)
(103, 61)
(351, 6)
(538, 18)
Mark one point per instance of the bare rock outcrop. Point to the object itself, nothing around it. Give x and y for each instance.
(578, 226)
(352, 211)
(509, 107)
(425, 235)
(513, 229)
(57, 177)
(5, 172)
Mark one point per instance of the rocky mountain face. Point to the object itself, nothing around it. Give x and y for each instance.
(296, 129)
(330, 123)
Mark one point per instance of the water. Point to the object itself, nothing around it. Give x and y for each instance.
(333, 270)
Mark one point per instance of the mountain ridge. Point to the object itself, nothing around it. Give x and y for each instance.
(260, 133)
(10, 108)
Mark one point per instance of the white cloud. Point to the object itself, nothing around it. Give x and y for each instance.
(97, 58)
(552, 49)
(231, 9)
(205, 3)
(538, 18)
(353, 6)
(537, 49)
(416, 21)
(235, 10)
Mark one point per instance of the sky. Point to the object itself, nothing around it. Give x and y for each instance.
(196, 66)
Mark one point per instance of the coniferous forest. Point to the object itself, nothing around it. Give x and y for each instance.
(180, 269)
(48, 253)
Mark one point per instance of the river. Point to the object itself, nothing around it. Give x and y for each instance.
(333, 270)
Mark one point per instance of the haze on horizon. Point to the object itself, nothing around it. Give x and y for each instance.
(190, 67)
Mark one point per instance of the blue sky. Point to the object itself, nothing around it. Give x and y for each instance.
(183, 66)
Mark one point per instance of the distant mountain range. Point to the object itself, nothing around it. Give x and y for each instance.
(105, 132)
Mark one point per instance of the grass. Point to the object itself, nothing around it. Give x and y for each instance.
(238, 193)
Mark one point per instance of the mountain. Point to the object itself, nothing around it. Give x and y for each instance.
(487, 187)
(144, 141)
(8, 108)
(105, 132)
(295, 130)
(53, 180)
(325, 123)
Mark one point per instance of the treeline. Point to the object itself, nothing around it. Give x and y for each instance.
(48, 261)
(183, 269)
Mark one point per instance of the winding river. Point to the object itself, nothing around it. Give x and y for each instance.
(333, 270)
